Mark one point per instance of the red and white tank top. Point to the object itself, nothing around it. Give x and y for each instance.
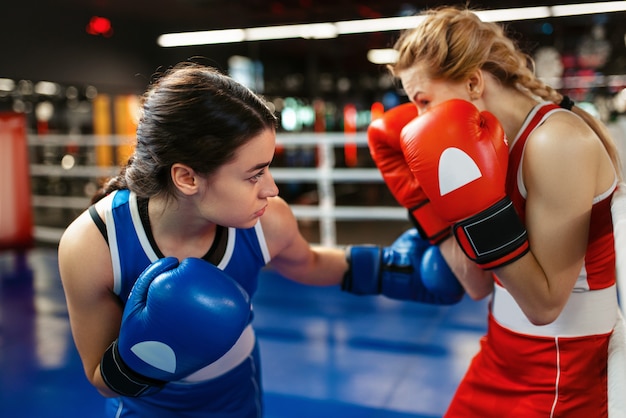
(592, 306)
(598, 270)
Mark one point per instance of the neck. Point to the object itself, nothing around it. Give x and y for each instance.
(177, 219)
(511, 110)
(178, 229)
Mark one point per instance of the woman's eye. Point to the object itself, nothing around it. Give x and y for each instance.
(422, 103)
(257, 176)
(422, 106)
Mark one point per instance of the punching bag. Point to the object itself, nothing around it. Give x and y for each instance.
(16, 214)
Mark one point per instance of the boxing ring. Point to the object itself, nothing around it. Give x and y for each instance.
(325, 352)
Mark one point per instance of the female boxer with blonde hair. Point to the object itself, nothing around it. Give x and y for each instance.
(547, 259)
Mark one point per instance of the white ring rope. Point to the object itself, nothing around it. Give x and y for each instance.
(325, 176)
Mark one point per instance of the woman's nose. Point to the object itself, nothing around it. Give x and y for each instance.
(270, 189)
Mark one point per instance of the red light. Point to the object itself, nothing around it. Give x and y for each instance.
(349, 128)
(99, 26)
(377, 110)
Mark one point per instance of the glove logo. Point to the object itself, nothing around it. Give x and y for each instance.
(456, 169)
(156, 354)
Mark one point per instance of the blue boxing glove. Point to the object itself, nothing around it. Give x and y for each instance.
(179, 318)
(410, 269)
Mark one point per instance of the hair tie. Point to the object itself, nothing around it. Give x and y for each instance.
(567, 103)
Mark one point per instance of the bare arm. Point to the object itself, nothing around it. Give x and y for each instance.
(478, 283)
(564, 167)
(293, 256)
(94, 311)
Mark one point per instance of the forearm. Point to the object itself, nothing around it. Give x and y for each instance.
(95, 378)
(477, 282)
(539, 296)
(320, 266)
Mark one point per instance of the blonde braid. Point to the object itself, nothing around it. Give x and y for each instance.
(545, 92)
(529, 81)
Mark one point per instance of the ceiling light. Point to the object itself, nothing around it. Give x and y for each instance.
(507, 15)
(382, 56)
(308, 31)
(225, 36)
(331, 30)
(377, 25)
(588, 8)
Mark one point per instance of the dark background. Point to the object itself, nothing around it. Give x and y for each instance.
(47, 40)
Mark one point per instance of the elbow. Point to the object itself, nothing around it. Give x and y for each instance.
(543, 316)
(479, 289)
(478, 294)
(541, 320)
(96, 381)
(107, 393)
(104, 390)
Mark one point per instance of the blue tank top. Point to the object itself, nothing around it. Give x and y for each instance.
(132, 251)
(236, 393)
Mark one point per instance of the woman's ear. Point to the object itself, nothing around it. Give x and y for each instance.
(184, 178)
(476, 85)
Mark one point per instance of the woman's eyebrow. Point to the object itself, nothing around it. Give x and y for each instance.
(259, 166)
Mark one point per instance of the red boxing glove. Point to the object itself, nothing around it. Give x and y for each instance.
(384, 142)
(460, 157)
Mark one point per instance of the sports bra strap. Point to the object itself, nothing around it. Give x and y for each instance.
(99, 222)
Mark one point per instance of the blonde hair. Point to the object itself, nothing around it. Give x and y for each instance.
(452, 43)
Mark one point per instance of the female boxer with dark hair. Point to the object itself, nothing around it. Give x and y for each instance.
(160, 271)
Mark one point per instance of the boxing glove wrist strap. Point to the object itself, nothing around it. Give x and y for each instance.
(429, 225)
(122, 379)
(493, 238)
(364, 265)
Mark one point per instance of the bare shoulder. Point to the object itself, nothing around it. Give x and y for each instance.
(81, 236)
(83, 253)
(562, 158)
(562, 131)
